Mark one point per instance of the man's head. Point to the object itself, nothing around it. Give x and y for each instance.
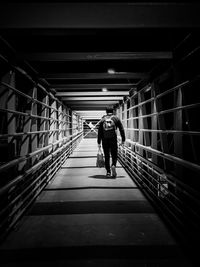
(109, 110)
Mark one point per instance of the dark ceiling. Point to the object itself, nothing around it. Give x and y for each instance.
(71, 46)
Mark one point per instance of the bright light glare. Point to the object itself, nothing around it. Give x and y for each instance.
(111, 71)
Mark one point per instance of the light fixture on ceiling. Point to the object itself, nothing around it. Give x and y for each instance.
(104, 89)
(148, 88)
(111, 71)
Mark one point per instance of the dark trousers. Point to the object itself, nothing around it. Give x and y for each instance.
(110, 148)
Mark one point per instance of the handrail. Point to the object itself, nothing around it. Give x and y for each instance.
(34, 132)
(36, 83)
(182, 162)
(32, 98)
(181, 85)
(37, 165)
(140, 104)
(171, 179)
(163, 131)
(185, 190)
(20, 177)
(29, 115)
(165, 111)
(30, 155)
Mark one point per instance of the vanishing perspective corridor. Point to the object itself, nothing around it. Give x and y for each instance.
(83, 217)
(62, 65)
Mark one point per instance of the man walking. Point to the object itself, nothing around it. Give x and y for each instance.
(107, 133)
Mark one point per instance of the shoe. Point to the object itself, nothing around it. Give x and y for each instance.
(113, 168)
(108, 174)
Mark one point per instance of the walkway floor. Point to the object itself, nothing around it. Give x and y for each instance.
(83, 218)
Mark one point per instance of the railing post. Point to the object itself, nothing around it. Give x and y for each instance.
(34, 124)
(154, 125)
(178, 123)
(26, 140)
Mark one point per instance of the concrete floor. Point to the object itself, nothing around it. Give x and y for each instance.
(83, 218)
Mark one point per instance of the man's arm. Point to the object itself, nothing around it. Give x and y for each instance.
(100, 133)
(121, 129)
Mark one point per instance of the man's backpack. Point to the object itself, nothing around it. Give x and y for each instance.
(109, 127)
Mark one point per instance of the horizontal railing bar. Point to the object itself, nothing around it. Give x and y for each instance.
(166, 179)
(29, 133)
(168, 176)
(14, 112)
(157, 182)
(46, 169)
(165, 111)
(181, 85)
(163, 204)
(33, 99)
(36, 166)
(16, 90)
(26, 189)
(158, 190)
(164, 131)
(164, 93)
(153, 178)
(141, 181)
(182, 162)
(30, 115)
(21, 71)
(140, 104)
(140, 177)
(20, 177)
(28, 156)
(20, 195)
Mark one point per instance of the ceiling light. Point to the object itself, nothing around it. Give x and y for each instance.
(111, 71)
(148, 89)
(104, 89)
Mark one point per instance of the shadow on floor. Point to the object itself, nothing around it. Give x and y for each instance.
(91, 207)
(89, 187)
(98, 176)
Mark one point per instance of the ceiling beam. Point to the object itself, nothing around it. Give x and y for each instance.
(91, 117)
(92, 56)
(95, 86)
(91, 98)
(90, 113)
(98, 15)
(112, 93)
(92, 106)
(92, 102)
(93, 76)
(101, 108)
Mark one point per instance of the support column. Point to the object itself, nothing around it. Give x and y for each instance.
(154, 125)
(34, 141)
(44, 124)
(52, 126)
(8, 101)
(178, 125)
(164, 146)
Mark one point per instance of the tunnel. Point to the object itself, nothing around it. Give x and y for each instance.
(62, 64)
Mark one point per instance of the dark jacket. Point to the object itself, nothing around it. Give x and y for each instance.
(118, 125)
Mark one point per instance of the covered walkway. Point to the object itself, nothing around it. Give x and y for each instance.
(62, 64)
(83, 218)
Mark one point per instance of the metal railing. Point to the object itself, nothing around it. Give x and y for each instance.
(171, 196)
(155, 154)
(36, 136)
(23, 189)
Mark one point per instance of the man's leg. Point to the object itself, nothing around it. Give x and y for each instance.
(114, 157)
(106, 150)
